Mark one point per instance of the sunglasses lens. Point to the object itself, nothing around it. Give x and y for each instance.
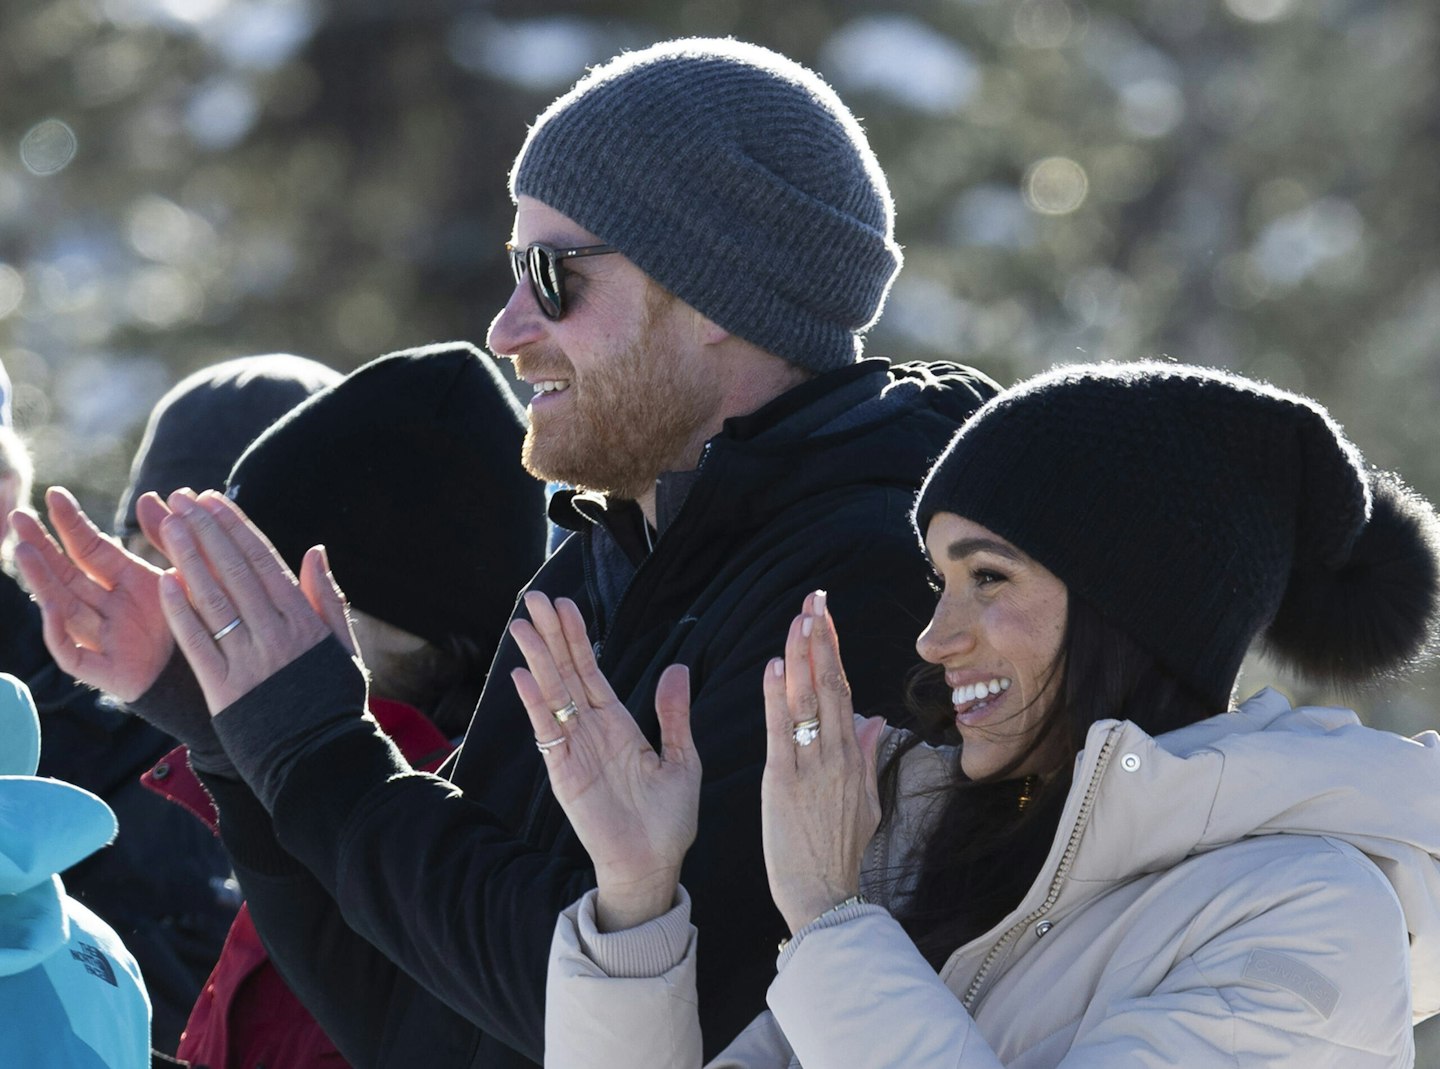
(545, 280)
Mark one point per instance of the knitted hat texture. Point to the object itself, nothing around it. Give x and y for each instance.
(205, 421)
(736, 179)
(1195, 509)
(408, 471)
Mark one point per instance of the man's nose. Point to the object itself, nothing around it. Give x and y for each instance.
(519, 323)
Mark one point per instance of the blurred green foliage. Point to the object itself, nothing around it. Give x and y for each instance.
(1247, 183)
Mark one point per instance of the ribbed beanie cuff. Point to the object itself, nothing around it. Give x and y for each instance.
(736, 179)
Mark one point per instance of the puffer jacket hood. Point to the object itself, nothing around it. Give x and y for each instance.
(1268, 769)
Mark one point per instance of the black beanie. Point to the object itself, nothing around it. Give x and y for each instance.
(205, 421)
(409, 472)
(1194, 509)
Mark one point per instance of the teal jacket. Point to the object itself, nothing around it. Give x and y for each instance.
(70, 993)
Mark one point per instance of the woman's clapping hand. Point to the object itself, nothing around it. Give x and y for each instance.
(819, 801)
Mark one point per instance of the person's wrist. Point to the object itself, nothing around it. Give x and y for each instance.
(856, 899)
(803, 905)
(632, 903)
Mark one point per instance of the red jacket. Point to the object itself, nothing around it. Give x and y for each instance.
(245, 1016)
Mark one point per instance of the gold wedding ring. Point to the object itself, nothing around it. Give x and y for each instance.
(567, 712)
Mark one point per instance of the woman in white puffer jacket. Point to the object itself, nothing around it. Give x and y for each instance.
(1112, 868)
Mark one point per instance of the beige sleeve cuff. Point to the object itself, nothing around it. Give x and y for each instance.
(647, 950)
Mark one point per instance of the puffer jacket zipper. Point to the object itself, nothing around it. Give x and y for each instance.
(1082, 819)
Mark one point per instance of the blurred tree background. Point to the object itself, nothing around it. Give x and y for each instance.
(1241, 183)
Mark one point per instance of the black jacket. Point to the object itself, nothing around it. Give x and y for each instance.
(460, 881)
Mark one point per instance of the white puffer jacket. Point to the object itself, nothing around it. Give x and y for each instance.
(1261, 888)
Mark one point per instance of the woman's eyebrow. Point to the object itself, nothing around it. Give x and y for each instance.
(964, 547)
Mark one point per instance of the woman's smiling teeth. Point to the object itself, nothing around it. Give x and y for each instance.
(975, 691)
(552, 385)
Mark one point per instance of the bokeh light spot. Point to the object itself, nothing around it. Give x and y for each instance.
(162, 297)
(1300, 243)
(991, 215)
(1055, 186)
(1151, 107)
(1044, 23)
(159, 229)
(48, 147)
(12, 289)
(905, 60)
(220, 113)
(539, 54)
(192, 10)
(1260, 10)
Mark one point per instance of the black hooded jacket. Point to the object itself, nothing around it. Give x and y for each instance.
(459, 881)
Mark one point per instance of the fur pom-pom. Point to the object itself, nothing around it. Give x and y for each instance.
(1377, 614)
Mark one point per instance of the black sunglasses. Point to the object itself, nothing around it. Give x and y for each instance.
(541, 265)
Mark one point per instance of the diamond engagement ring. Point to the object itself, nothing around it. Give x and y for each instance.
(806, 731)
(231, 626)
(547, 746)
(567, 712)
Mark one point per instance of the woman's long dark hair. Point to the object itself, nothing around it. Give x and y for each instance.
(986, 848)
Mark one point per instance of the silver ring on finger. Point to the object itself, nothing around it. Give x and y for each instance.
(805, 732)
(567, 712)
(231, 626)
(549, 744)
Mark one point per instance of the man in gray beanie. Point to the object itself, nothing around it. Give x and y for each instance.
(702, 236)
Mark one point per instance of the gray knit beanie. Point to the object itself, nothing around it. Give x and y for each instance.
(736, 179)
(1196, 510)
(204, 422)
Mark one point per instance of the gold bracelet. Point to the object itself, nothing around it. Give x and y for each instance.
(853, 900)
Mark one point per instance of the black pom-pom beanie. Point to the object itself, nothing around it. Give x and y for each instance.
(1196, 509)
(408, 471)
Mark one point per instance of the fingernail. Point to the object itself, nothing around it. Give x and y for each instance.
(820, 597)
(807, 625)
(778, 667)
